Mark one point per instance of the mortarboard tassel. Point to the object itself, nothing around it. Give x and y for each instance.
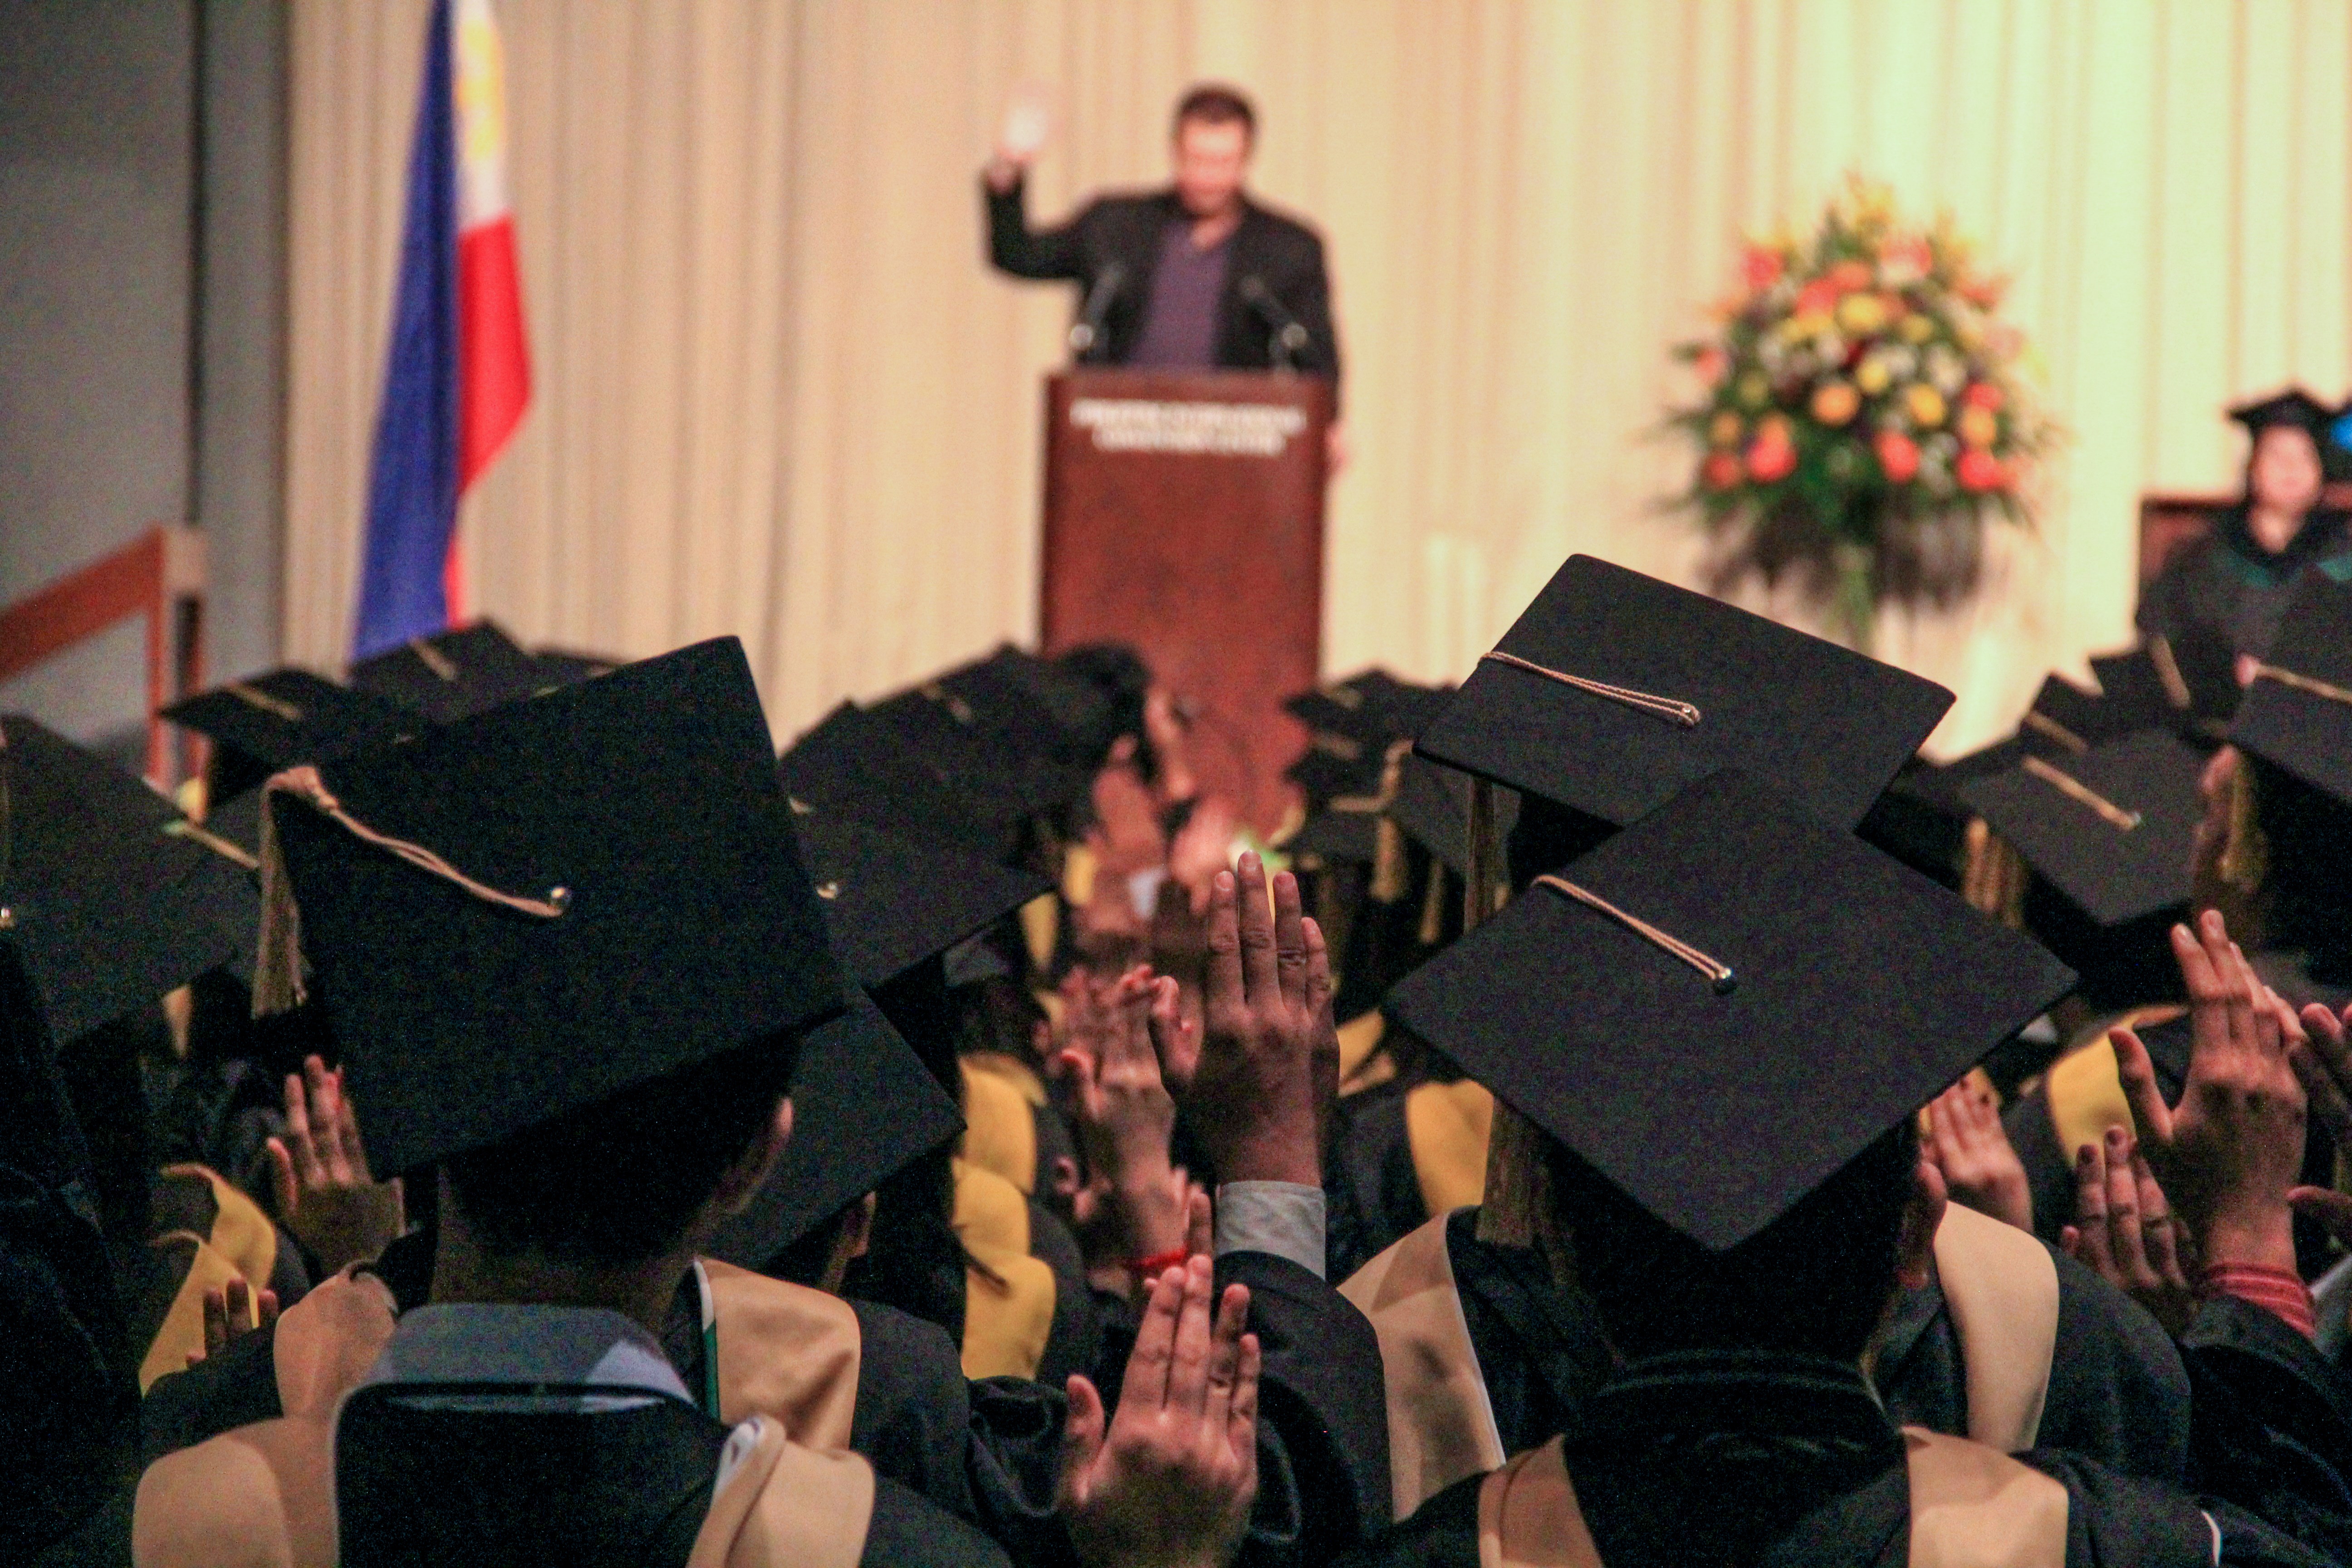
(277, 967)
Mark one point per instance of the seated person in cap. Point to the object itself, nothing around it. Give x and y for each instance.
(597, 1066)
(2272, 852)
(1737, 1299)
(1823, 723)
(2215, 606)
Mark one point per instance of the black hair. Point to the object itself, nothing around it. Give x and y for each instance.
(620, 1180)
(1815, 1281)
(1212, 103)
(2307, 880)
(1119, 675)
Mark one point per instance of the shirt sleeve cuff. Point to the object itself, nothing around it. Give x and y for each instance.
(1285, 1218)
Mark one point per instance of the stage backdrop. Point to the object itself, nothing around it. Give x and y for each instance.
(779, 395)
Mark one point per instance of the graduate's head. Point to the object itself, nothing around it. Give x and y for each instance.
(1725, 1019)
(2290, 826)
(656, 1167)
(1817, 1281)
(2285, 459)
(1216, 130)
(566, 949)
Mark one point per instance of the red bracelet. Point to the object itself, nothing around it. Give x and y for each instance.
(2279, 1291)
(1159, 1262)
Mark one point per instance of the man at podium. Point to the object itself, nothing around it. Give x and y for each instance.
(1195, 277)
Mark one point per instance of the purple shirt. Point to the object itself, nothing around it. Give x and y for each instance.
(1180, 320)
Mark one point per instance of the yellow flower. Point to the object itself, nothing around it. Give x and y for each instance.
(1725, 430)
(1807, 324)
(1836, 402)
(1861, 314)
(1754, 390)
(1977, 427)
(1924, 404)
(1872, 376)
(1915, 329)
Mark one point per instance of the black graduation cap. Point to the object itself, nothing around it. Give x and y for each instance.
(891, 903)
(2138, 693)
(1008, 776)
(1858, 990)
(455, 674)
(108, 908)
(1612, 691)
(1333, 766)
(2293, 408)
(637, 904)
(1047, 709)
(566, 666)
(274, 721)
(2110, 829)
(2298, 712)
(854, 765)
(1370, 707)
(863, 1109)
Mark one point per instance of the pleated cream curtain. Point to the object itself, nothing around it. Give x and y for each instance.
(779, 394)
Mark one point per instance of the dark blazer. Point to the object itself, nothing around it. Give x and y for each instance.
(1282, 253)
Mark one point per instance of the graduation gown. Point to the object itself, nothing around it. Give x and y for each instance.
(2223, 595)
(598, 1455)
(889, 1386)
(1741, 1459)
(2009, 1343)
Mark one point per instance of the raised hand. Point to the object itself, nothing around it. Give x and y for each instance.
(1124, 1117)
(1171, 1483)
(1175, 1035)
(1969, 1145)
(2125, 1230)
(2231, 1150)
(1027, 126)
(232, 1312)
(326, 1195)
(1269, 1063)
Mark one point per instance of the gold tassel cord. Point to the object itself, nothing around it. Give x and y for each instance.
(254, 697)
(2042, 724)
(434, 660)
(276, 978)
(2076, 790)
(2296, 681)
(1716, 973)
(1672, 708)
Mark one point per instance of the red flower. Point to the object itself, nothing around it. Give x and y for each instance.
(1711, 363)
(1760, 267)
(1980, 470)
(1849, 276)
(1983, 395)
(1818, 298)
(1898, 455)
(1771, 458)
(1721, 471)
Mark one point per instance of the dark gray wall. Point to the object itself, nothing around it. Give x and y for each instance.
(141, 264)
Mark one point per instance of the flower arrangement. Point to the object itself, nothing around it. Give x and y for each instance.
(1864, 412)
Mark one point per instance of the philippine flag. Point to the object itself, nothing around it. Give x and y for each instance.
(458, 376)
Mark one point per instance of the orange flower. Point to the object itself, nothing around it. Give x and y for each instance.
(1977, 427)
(1760, 267)
(1771, 458)
(1720, 472)
(1898, 455)
(1983, 291)
(1850, 276)
(1725, 430)
(1836, 402)
(1711, 363)
(1980, 470)
(1818, 298)
(1985, 395)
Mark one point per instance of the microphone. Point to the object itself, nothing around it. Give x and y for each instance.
(1290, 335)
(1087, 330)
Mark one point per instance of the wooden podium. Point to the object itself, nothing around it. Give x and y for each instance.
(1184, 517)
